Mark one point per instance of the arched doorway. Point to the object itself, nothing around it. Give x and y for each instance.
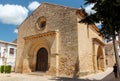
(100, 59)
(42, 60)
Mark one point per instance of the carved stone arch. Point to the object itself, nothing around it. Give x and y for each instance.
(32, 48)
(100, 58)
(36, 44)
(98, 55)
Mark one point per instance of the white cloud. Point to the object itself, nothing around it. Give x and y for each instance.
(16, 31)
(12, 14)
(33, 5)
(89, 10)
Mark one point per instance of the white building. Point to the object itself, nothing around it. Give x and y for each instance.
(7, 53)
(117, 43)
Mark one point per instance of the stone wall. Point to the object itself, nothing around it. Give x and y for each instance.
(88, 48)
(110, 56)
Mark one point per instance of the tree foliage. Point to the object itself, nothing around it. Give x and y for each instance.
(107, 12)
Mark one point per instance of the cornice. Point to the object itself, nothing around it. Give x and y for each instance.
(50, 33)
(99, 41)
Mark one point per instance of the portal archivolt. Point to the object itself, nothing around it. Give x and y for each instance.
(100, 59)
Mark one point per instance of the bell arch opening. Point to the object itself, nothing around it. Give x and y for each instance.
(42, 60)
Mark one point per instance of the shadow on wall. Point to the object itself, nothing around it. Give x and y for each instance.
(76, 71)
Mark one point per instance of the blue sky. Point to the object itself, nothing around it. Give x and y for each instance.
(13, 13)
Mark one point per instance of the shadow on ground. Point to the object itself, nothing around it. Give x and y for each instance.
(110, 77)
(70, 79)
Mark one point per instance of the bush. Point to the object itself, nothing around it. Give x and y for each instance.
(6, 69)
(2, 68)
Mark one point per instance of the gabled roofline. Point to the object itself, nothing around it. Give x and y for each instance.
(60, 6)
(46, 4)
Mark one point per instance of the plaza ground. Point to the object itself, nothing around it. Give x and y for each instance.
(103, 76)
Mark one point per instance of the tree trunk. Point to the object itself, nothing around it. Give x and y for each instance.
(116, 57)
(119, 38)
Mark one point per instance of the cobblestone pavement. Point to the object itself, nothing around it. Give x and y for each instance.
(30, 77)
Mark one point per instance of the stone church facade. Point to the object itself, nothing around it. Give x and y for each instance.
(53, 41)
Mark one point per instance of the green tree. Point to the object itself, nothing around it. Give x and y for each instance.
(107, 12)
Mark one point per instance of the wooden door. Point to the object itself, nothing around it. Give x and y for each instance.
(42, 60)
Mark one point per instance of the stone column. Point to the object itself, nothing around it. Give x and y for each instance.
(26, 68)
(54, 64)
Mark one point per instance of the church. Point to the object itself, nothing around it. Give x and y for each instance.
(51, 40)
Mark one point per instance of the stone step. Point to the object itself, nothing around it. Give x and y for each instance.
(37, 73)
